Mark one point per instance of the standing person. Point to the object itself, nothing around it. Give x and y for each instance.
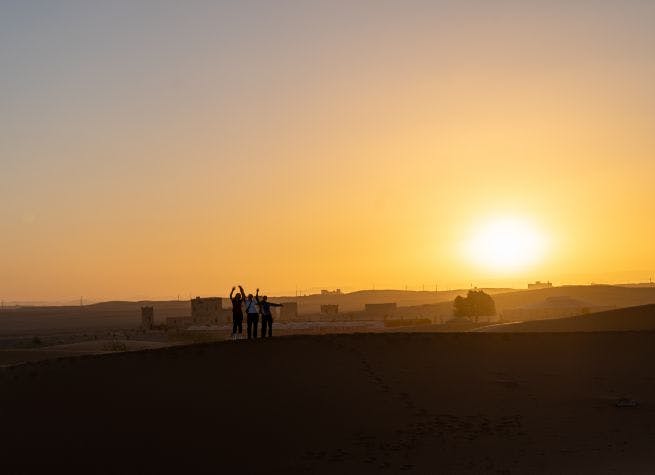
(252, 316)
(267, 316)
(237, 312)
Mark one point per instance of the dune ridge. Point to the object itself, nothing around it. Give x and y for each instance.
(638, 318)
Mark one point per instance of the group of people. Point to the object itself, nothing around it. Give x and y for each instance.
(254, 308)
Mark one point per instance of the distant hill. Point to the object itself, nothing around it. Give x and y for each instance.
(598, 295)
(641, 318)
(355, 301)
(125, 314)
(590, 295)
(437, 305)
(105, 315)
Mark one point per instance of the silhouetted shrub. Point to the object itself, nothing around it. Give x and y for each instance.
(476, 304)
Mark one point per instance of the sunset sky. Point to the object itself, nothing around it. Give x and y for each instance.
(156, 148)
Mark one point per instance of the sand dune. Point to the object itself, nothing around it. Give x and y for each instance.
(109, 345)
(601, 295)
(366, 403)
(641, 318)
(21, 355)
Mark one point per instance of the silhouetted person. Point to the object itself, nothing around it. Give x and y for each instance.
(267, 316)
(252, 316)
(237, 312)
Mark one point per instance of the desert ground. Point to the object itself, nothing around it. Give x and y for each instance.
(361, 403)
(639, 318)
(567, 395)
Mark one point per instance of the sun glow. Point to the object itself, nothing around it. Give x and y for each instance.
(506, 245)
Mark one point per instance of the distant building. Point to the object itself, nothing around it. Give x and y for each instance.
(380, 309)
(147, 317)
(289, 311)
(204, 312)
(329, 309)
(331, 292)
(539, 285)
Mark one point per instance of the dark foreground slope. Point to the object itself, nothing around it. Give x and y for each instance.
(423, 403)
(641, 318)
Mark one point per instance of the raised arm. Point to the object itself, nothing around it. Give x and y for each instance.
(243, 293)
(232, 293)
(276, 304)
(257, 296)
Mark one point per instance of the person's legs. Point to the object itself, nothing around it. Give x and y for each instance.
(249, 324)
(255, 323)
(235, 325)
(240, 325)
(265, 320)
(270, 326)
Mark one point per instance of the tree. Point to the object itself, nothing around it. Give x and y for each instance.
(476, 304)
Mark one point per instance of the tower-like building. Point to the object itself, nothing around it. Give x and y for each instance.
(147, 317)
(206, 311)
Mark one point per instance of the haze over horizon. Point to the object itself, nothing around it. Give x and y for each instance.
(150, 149)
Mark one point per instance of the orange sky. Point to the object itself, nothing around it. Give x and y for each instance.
(147, 152)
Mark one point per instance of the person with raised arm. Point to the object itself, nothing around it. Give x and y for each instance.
(267, 315)
(237, 312)
(252, 316)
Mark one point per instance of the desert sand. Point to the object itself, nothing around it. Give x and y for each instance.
(640, 318)
(10, 356)
(363, 403)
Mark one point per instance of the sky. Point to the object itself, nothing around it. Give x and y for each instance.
(150, 149)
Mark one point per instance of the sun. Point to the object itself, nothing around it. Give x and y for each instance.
(505, 245)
